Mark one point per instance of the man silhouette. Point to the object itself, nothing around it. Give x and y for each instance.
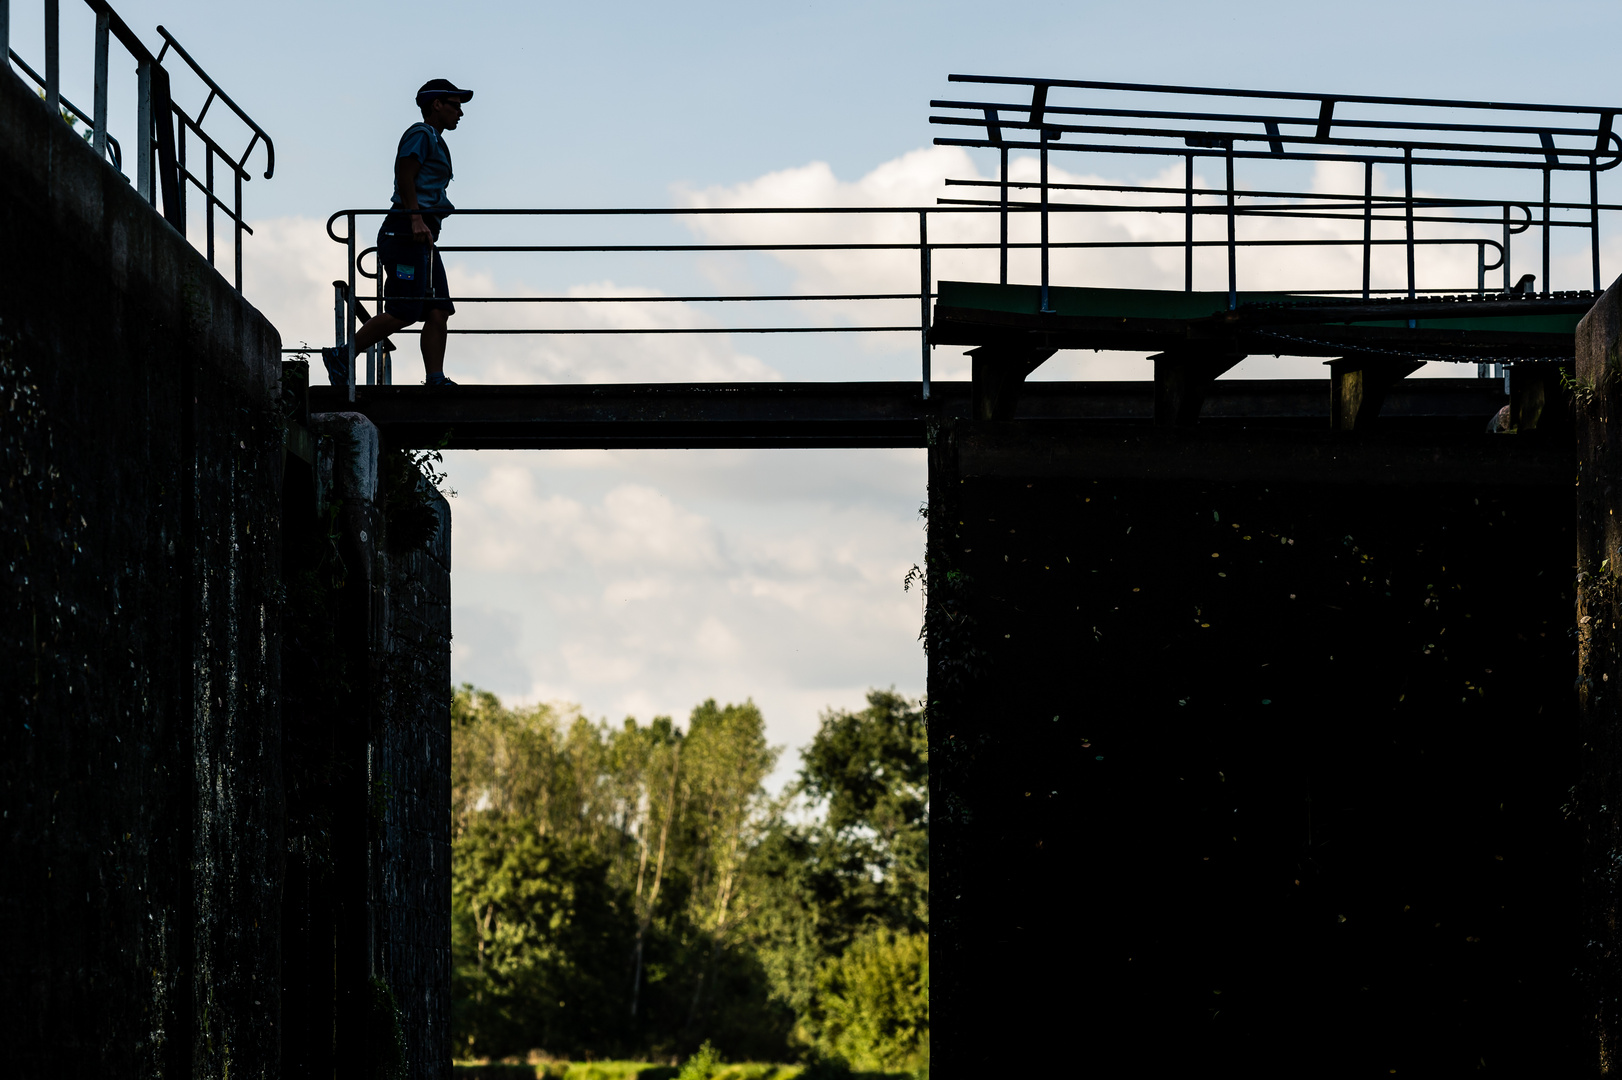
(414, 286)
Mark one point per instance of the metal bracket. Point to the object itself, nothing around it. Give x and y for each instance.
(1358, 386)
(996, 372)
(1181, 380)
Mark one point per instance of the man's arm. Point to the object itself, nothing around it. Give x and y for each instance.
(405, 181)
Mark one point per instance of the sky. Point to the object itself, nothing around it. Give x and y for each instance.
(637, 583)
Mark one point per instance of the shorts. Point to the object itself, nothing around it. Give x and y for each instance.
(409, 270)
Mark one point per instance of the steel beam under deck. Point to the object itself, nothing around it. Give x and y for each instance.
(829, 414)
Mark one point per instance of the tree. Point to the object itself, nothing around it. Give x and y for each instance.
(603, 878)
(860, 869)
(872, 1003)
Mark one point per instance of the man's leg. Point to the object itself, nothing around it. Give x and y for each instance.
(376, 329)
(435, 326)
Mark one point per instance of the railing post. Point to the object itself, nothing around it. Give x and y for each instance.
(53, 56)
(1368, 224)
(1233, 249)
(924, 289)
(1593, 219)
(1003, 173)
(1408, 192)
(1188, 223)
(1506, 247)
(180, 172)
(208, 201)
(1547, 285)
(143, 130)
(337, 314)
(1046, 307)
(348, 342)
(103, 30)
(236, 225)
(5, 32)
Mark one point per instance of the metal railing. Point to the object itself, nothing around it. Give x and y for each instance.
(161, 144)
(349, 314)
(1288, 129)
(1369, 133)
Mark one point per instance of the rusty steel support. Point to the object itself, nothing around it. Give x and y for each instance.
(1181, 382)
(1598, 800)
(1538, 401)
(997, 372)
(1358, 386)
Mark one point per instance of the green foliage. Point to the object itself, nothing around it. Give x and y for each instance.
(872, 1007)
(702, 1065)
(387, 1050)
(632, 889)
(602, 878)
(530, 913)
(864, 864)
(409, 483)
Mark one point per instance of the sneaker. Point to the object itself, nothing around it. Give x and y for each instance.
(337, 362)
(439, 378)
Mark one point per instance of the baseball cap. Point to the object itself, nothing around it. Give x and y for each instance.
(442, 88)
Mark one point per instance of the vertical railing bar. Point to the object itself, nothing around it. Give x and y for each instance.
(5, 33)
(1003, 174)
(348, 343)
(1506, 247)
(388, 357)
(236, 225)
(1593, 219)
(1188, 223)
(53, 56)
(338, 314)
(1045, 307)
(1481, 268)
(1547, 285)
(143, 130)
(1368, 223)
(99, 106)
(180, 172)
(924, 289)
(208, 200)
(1408, 210)
(1233, 259)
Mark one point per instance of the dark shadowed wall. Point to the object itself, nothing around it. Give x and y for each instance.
(141, 841)
(224, 751)
(1254, 774)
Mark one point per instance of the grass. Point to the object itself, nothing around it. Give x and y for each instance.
(618, 1070)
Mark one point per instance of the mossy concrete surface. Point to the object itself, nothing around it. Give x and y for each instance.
(141, 839)
(1251, 774)
(224, 751)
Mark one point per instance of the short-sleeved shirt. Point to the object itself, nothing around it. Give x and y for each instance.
(427, 145)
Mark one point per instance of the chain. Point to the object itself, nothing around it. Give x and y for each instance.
(1448, 358)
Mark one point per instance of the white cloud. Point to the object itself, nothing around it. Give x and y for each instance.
(642, 582)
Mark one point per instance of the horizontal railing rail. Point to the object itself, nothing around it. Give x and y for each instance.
(164, 129)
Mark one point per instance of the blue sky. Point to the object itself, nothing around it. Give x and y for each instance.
(643, 582)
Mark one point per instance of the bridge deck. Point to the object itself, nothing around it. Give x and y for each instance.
(829, 414)
(1495, 326)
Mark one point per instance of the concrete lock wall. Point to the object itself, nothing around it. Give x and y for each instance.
(1272, 771)
(224, 829)
(1599, 663)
